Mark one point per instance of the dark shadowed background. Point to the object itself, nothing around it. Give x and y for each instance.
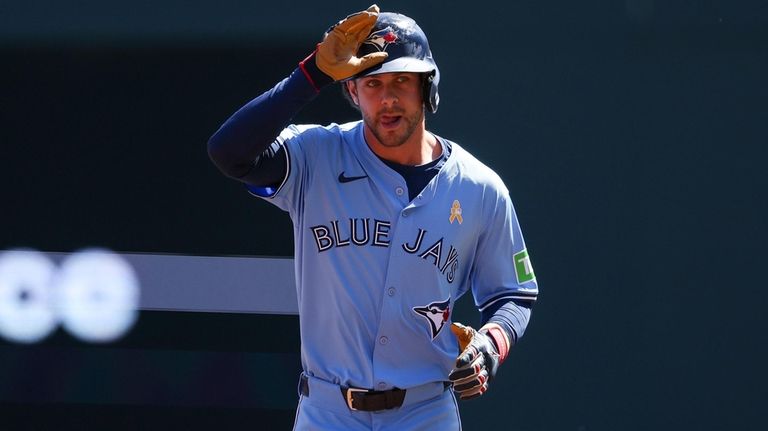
(631, 133)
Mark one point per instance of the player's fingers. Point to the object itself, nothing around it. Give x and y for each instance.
(469, 355)
(460, 380)
(358, 28)
(468, 384)
(473, 367)
(463, 373)
(463, 333)
(466, 392)
(358, 22)
(372, 59)
(468, 395)
(470, 370)
(472, 384)
(372, 10)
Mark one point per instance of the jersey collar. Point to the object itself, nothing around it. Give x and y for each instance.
(386, 177)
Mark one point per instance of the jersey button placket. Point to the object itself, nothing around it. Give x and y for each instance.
(385, 358)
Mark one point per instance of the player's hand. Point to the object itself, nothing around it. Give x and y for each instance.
(477, 363)
(336, 54)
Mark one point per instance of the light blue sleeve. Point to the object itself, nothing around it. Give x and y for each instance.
(299, 142)
(502, 269)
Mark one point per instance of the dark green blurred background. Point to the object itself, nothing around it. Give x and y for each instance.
(631, 133)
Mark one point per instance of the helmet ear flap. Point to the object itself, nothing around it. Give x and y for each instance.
(431, 98)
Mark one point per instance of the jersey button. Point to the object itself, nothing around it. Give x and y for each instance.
(383, 340)
(391, 291)
(399, 191)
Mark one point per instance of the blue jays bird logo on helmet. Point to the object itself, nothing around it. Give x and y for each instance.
(408, 49)
(381, 39)
(436, 313)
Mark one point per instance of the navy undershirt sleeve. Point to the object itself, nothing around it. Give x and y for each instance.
(244, 147)
(512, 315)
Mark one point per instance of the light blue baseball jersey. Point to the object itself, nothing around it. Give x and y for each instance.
(377, 274)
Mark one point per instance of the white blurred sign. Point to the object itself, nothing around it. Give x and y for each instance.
(94, 295)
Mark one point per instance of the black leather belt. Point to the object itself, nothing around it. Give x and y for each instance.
(364, 399)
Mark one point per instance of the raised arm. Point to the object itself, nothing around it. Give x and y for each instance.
(245, 147)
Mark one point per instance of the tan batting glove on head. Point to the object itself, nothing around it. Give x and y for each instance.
(337, 53)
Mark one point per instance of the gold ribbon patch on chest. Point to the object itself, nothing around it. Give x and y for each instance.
(456, 212)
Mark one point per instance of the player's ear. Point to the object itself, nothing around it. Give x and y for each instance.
(352, 91)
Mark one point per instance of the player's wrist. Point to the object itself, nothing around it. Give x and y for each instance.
(499, 338)
(314, 75)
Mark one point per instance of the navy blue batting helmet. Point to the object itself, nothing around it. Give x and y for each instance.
(408, 49)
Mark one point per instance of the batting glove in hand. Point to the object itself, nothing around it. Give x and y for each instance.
(477, 363)
(336, 54)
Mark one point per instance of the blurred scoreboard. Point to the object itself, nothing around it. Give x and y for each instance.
(215, 342)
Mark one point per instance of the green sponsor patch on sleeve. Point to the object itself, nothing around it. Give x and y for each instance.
(523, 267)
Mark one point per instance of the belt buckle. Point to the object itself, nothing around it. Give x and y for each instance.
(350, 391)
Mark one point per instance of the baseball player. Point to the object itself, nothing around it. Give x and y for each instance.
(392, 225)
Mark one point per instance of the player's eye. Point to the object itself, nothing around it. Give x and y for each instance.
(372, 83)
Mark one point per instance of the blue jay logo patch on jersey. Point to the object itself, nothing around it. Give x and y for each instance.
(436, 313)
(381, 39)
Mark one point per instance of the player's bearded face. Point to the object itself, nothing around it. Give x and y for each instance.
(393, 127)
(392, 106)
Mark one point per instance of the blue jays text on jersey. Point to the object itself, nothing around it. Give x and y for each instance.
(360, 233)
(378, 273)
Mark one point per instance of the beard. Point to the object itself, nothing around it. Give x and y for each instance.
(396, 137)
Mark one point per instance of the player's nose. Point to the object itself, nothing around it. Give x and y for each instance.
(389, 96)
